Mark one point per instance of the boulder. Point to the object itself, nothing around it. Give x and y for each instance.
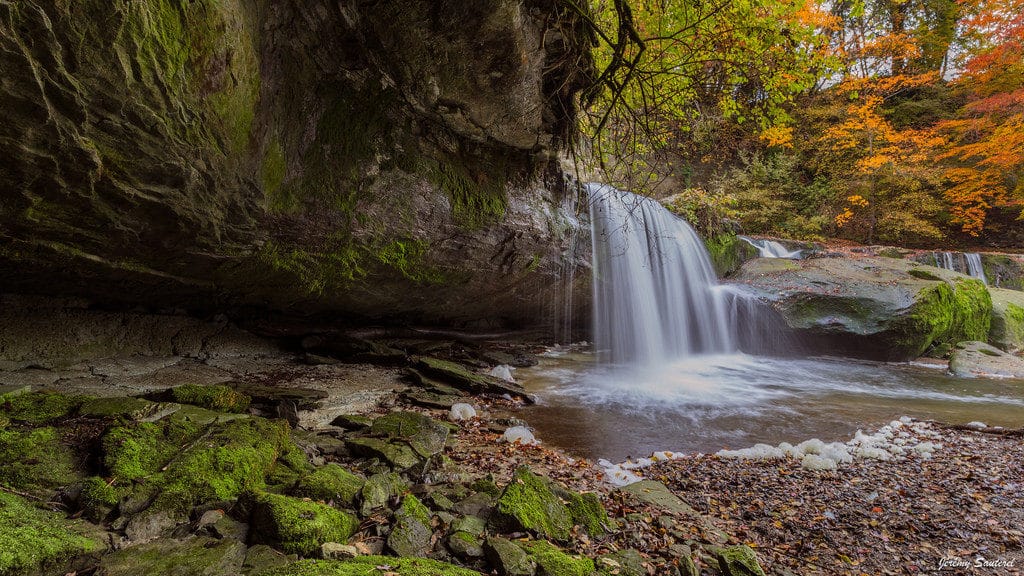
(379, 490)
(871, 307)
(330, 483)
(528, 503)
(973, 359)
(509, 559)
(738, 561)
(167, 557)
(1007, 332)
(411, 533)
(299, 526)
(552, 561)
(465, 379)
(424, 434)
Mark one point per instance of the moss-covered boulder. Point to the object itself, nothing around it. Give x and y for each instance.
(379, 490)
(411, 533)
(36, 461)
(97, 498)
(425, 435)
(587, 512)
(529, 503)
(34, 541)
(213, 397)
(871, 307)
(169, 557)
(728, 252)
(330, 483)
(465, 545)
(1007, 331)
(190, 464)
(738, 561)
(508, 558)
(371, 566)
(398, 454)
(552, 561)
(299, 526)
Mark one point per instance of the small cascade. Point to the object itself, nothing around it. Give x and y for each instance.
(772, 249)
(656, 296)
(968, 263)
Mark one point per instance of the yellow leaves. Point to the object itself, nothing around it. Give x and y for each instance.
(778, 136)
(844, 217)
(858, 201)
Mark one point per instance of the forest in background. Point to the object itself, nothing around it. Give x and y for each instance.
(876, 121)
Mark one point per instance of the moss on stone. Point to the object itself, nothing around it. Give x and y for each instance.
(35, 461)
(33, 539)
(411, 534)
(528, 503)
(588, 512)
(134, 452)
(738, 561)
(371, 566)
(945, 314)
(98, 498)
(330, 483)
(213, 397)
(552, 561)
(39, 407)
(273, 173)
(477, 196)
(728, 252)
(300, 526)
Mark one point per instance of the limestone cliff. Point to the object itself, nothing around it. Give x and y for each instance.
(371, 159)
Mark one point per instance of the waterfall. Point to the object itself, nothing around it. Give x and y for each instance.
(656, 296)
(771, 248)
(968, 263)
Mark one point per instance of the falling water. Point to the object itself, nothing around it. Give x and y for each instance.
(656, 297)
(771, 248)
(965, 263)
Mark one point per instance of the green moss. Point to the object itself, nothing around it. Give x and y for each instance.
(477, 195)
(137, 451)
(39, 407)
(371, 566)
(739, 561)
(273, 173)
(300, 526)
(215, 397)
(587, 511)
(35, 461)
(330, 483)
(226, 461)
(31, 539)
(552, 561)
(98, 498)
(946, 314)
(528, 503)
(728, 252)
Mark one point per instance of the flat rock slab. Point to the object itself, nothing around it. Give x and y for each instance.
(977, 359)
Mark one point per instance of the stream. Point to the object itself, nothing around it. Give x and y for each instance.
(707, 403)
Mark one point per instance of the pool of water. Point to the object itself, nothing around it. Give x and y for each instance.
(707, 403)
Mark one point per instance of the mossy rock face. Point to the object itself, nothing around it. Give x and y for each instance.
(552, 561)
(588, 512)
(739, 561)
(192, 464)
(411, 533)
(879, 308)
(98, 498)
(728, 253)
(1007, 332)
(424, 434)
(1004, 271)
(33, 540)
(35, 461)
(464, 379)
(380, 489)
(529, 503)
(331, 483)
(167, 557)
(299, 526)
(213, 397)
(371, 566)
(466, 545)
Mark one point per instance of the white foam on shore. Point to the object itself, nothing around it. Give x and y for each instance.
(898, 440)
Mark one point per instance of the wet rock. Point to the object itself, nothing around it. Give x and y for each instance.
(379, 490)
(465, 545)
(424, 434)
(411, 533)
(627, 562)
(196, 555)
(330, 483)
(1007, 332)
(974, 359)
(509, 559)
(397, 454)
(738, 561)
(352, 422)
(529, 504)
(870, 307)
(299, 526)
(469, 381)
